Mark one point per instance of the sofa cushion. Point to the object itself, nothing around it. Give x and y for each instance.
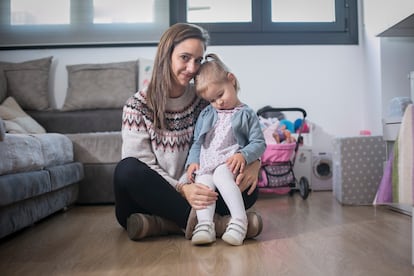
(105, 85)
(19, 153)
(57, 149)
(27, 82)
(16, 120)
(79, 121)
(15, 217)
(22, 152)
(97, 186)
(63, 175)
(20, 186)
(97, 147)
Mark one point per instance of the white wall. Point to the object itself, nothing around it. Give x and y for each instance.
(338, 85)
(372, 97)
(397, 61)
(380, 15)
(327, 81)
(392, 57)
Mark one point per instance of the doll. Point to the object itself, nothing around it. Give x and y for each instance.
(282, 134)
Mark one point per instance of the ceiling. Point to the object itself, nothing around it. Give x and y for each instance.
(403, 28)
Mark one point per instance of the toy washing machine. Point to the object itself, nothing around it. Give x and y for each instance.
(322, 171)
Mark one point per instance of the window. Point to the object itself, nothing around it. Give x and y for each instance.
(272, 21)
(91, 23)
(131, 11)
(27, 12)
(80, 23)
(303, 11)
(214, 11)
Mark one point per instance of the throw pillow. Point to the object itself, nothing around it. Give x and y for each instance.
(27, 82)
(105, 85)
(16, 120)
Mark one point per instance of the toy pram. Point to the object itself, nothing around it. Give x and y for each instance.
(276, 172)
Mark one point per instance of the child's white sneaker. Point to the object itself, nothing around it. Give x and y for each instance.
(204, 233)
(235, 233)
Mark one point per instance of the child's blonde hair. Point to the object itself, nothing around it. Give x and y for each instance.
(213, 70)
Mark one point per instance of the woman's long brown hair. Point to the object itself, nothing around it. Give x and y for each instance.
(162, 78)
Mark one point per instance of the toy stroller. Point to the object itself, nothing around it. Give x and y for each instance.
(276, 173)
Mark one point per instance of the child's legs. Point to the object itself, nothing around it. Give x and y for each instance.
(225, 183)
(206, 214)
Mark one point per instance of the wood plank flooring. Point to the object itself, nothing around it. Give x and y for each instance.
(317, 236)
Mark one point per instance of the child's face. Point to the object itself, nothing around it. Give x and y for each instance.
(222, 95)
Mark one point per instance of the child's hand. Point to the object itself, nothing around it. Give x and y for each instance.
(190, 171)
(236, 163)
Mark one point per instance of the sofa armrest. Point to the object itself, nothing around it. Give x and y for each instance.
(79, 121)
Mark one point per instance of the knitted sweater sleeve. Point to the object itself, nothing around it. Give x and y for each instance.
(136, 141)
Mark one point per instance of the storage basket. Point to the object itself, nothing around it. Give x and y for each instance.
(276, 175)
(276, 153)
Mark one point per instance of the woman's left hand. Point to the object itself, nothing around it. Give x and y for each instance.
(248, 179)
(199, 196)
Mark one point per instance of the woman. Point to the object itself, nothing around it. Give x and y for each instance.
(152, 195)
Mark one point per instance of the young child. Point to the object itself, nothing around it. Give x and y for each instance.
(227, 137)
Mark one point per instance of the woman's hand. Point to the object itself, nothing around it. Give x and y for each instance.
(198, 195)
(249, 177)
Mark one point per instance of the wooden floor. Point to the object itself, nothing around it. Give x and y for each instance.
(316, 236)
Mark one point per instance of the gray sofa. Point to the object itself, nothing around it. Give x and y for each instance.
(96, 137)
(90, 115)
(38, 176)
(71, 162)
(52, 157)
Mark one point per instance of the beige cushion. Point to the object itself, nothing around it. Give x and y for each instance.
(16, 120)
(97, 147)
(20, 153)
(27, 82)
(57, 148)
(105, 85)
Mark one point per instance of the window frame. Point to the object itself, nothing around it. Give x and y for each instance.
(81, 32)
(261, 31)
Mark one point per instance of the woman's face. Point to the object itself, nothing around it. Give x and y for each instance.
(185, 60)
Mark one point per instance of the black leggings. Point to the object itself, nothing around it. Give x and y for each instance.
(139, 189)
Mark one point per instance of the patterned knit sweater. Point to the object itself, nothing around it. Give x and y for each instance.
(165, 151)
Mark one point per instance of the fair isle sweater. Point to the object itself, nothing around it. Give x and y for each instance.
(164, 151)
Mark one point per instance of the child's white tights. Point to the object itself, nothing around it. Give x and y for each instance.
(223, 180)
